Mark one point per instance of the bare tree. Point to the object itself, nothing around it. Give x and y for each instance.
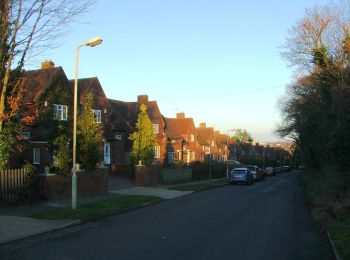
(26, 28)
(321, 27)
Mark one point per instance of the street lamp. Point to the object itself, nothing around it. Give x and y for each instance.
(92, 42)
(227, 152)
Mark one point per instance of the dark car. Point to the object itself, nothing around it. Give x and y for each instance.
(241, 175)
(270, 171)
(256, 171)
(278, 169)
(286, 168)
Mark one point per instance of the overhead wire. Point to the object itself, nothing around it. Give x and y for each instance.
(215, 95)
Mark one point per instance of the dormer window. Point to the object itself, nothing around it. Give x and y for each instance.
(97, 115)
(155, 128)
(60, 112)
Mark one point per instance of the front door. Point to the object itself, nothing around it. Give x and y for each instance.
(107, 153)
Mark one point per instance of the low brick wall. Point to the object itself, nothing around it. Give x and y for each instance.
(168, 176)
(60, 186)
(145, 176)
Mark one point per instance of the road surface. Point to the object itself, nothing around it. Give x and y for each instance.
(267, 220)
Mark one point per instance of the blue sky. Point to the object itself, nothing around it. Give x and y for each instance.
(216, 60)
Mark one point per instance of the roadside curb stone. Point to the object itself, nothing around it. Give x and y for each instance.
(334, 249)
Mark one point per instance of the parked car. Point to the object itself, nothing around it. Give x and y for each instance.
(269, 171)
(286, 168)
(240, 175)
(278, 169)
(258, 174)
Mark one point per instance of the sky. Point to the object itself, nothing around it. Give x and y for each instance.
(218, 61)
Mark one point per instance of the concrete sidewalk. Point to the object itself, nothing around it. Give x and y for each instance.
(16, 223)
(14, 228)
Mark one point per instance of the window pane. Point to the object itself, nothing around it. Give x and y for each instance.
(36, 155)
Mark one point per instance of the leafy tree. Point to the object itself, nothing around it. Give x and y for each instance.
(315, 110)
(7, 141)
(242, 136)
(143, 139)
(62, 154)
(89, 136)
(27, 28)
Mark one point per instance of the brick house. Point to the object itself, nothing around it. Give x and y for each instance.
(207, 141)
(130, 111)
(221, 143)
(113, 125)
(48, 99)
(182, 139)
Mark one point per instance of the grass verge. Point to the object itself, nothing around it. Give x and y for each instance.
(198, 186)
(328, 198)
(339, 230)
(97, 209)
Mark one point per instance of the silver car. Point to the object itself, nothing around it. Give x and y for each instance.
(258, 173)
(240, 175)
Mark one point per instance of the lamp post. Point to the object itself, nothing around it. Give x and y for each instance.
(227, 152)
(93, 42)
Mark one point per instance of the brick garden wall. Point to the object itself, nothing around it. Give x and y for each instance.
(60, 186)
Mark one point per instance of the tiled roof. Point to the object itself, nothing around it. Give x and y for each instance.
(180, 126)
(206, 133)
(130, 110)
(36, 81)
(202, 141)
(171, 130)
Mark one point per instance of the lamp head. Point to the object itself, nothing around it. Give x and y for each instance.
(93, 42)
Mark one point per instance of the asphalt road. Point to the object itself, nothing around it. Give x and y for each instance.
(267, 220)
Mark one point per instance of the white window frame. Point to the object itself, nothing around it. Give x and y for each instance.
(36, 155)
(155, 128)
(60, 112)
(157, 151)
(25, 135)
(192, 137)
(97, 115)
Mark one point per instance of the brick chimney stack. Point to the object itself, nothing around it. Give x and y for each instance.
(180, 115)
(202, 125)
(142, 99)
(47, 64)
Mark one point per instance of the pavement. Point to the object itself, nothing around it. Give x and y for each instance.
(16, 223)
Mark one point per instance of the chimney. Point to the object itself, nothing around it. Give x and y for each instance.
(202, 125)
(142, 99)
(180, 115)
(47, 64)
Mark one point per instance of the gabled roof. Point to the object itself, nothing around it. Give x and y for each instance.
(179, 127)
(206, 133)
(171, 130)
(118, 116)
(130, 110)
(202, 141)
(35, 84)
(36, 81)
(93, 86)
(85, 85)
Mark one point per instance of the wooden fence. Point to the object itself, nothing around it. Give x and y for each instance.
(11, 183)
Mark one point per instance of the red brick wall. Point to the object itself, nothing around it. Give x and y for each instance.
(60, 186)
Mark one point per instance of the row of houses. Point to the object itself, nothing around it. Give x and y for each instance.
(48, 100)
